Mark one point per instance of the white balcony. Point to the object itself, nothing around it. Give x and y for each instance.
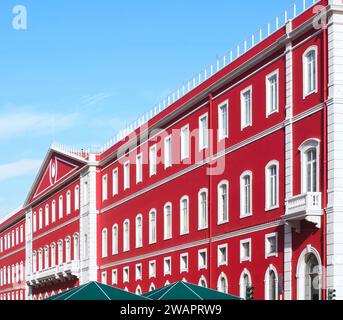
(306, 206)
(55, 274)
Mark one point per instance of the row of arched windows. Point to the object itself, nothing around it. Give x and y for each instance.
(14, 295)
(12, 274)
(12, 239)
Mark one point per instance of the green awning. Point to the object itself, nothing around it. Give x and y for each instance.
(187, 291)
(96, 291)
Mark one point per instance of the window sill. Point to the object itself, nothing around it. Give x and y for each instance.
(272, 255)
(246, 260)
(272, 112)
(306, 95)
(272, 208)
(246, 216)
(202, 228)
(220, 223)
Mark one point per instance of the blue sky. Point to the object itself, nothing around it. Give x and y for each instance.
(83, 69)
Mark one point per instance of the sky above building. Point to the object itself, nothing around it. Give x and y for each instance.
(82, 70)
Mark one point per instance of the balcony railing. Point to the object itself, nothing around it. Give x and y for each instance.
(306, 206)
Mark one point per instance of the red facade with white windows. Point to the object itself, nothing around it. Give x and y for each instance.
(234, 183)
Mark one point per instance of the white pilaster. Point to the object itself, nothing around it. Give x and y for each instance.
(28, 251)
(335, 150)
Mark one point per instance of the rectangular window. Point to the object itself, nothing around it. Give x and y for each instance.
(139, 168)
(246, 108)
(271, 245)
(222, 255)
(115, 182)
(246, 195)
(153, 160)
(167, 266)
(202, 259)
(245, 251)
(203, 132)
(126, 274)
(185, 142)
(223, 121)
(1, 244)
(223, 203)
(272, 93)
(104, 277)
(127, 175)
(167, 152)
(152, 227)
(184, 262)
(104, 188)
(114, 276)
(152, 269)
(202, 209)
(138, 272)
(46, 216)
(167, 222)
(34, 222)
(310, 72)
(16, 236)
(272, 186)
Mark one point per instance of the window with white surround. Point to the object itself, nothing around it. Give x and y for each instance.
(167, 266)
(104, 277)
(202, 259)
(244, 283)
(202, 209)
(139, 231)
(271, 283)
(115, 276)
(223, 202)
(68, 249)
(126, 274)
(185, 142)
(167, 221)
(310, 171)
(272, 93)
(184, 262)
(77, 198)
(246, 108)
(21, 234)
(46, 215)
(152, 226)
(46, 258)
(153, 160)
(246, 194)
(85, 193)
(34, 262)
(60, 207)
(139, 168)
(167, 152)
(115, 182)
(152, 269)
(310, 71)
(40, 219)
(76, 248)
(223, 121)
(34, 225)
(138, 271)
(68, 202)
(184, 215)
(222, 285)
(127, 175)
(222, 255)
(104, 188)
(104, 241)
(272, 185)
(115, 239)
(271, 247)
(245, 250)
(203, 132)
(53, 211)
(53, 255)
(126, 234)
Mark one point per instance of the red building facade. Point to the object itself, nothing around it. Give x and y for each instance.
(233, 183)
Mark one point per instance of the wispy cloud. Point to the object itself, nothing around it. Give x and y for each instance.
(18, 169)
(23, 121)
(90, 100)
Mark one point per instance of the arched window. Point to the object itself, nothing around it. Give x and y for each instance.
(47, 215)
(76, 248)
(272, 185)
(68, 202)
(40, 219)
(139, 231)
(222, 284)
(77, 198)
(60, 252)
(244, 283)
(68, 249)
(126, 240)
(310, 71)
(34, 261)
(152, 287)
(246, 194)
(139, 291)
(152, 226)
(223, 202)
(46, 258)
(310, 166)
(53, 212)
(203, 282)
(60, 207)
(271, 284)
(184, 215)
(53, 255)
(167, 221)
(40, 259)
(202, 209)
(115, 239)
(22, 276)
(104, 243)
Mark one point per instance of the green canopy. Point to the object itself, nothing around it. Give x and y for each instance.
(96, 291)
(187, 291)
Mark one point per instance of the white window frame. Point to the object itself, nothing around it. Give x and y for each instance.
(203, 139)
(139, 277)
(139, 233)
(243, 258)
(305, 66)
(242, 195)
(139, 168)
(269, 110)
(153, 160)
(152, 267)
(165, 271)
(68, 205)
(201, 224)
(60, 207)
(184, 225)
(114, 276)
(221, 221)
(167, 236)
(219, 254)
(115, 182)
(267, 237)
(185, 142)
(126, 272)
(104, 243)
(151, 240)
(115, 239)
(104, 277)
(168, 152)
(105, 187)
(202, 267)
(222, 135)
(126, 237)
(47, 215)
(184, 268)
(77, 198)
(244, 123)
(127, 175)
(268, 201)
